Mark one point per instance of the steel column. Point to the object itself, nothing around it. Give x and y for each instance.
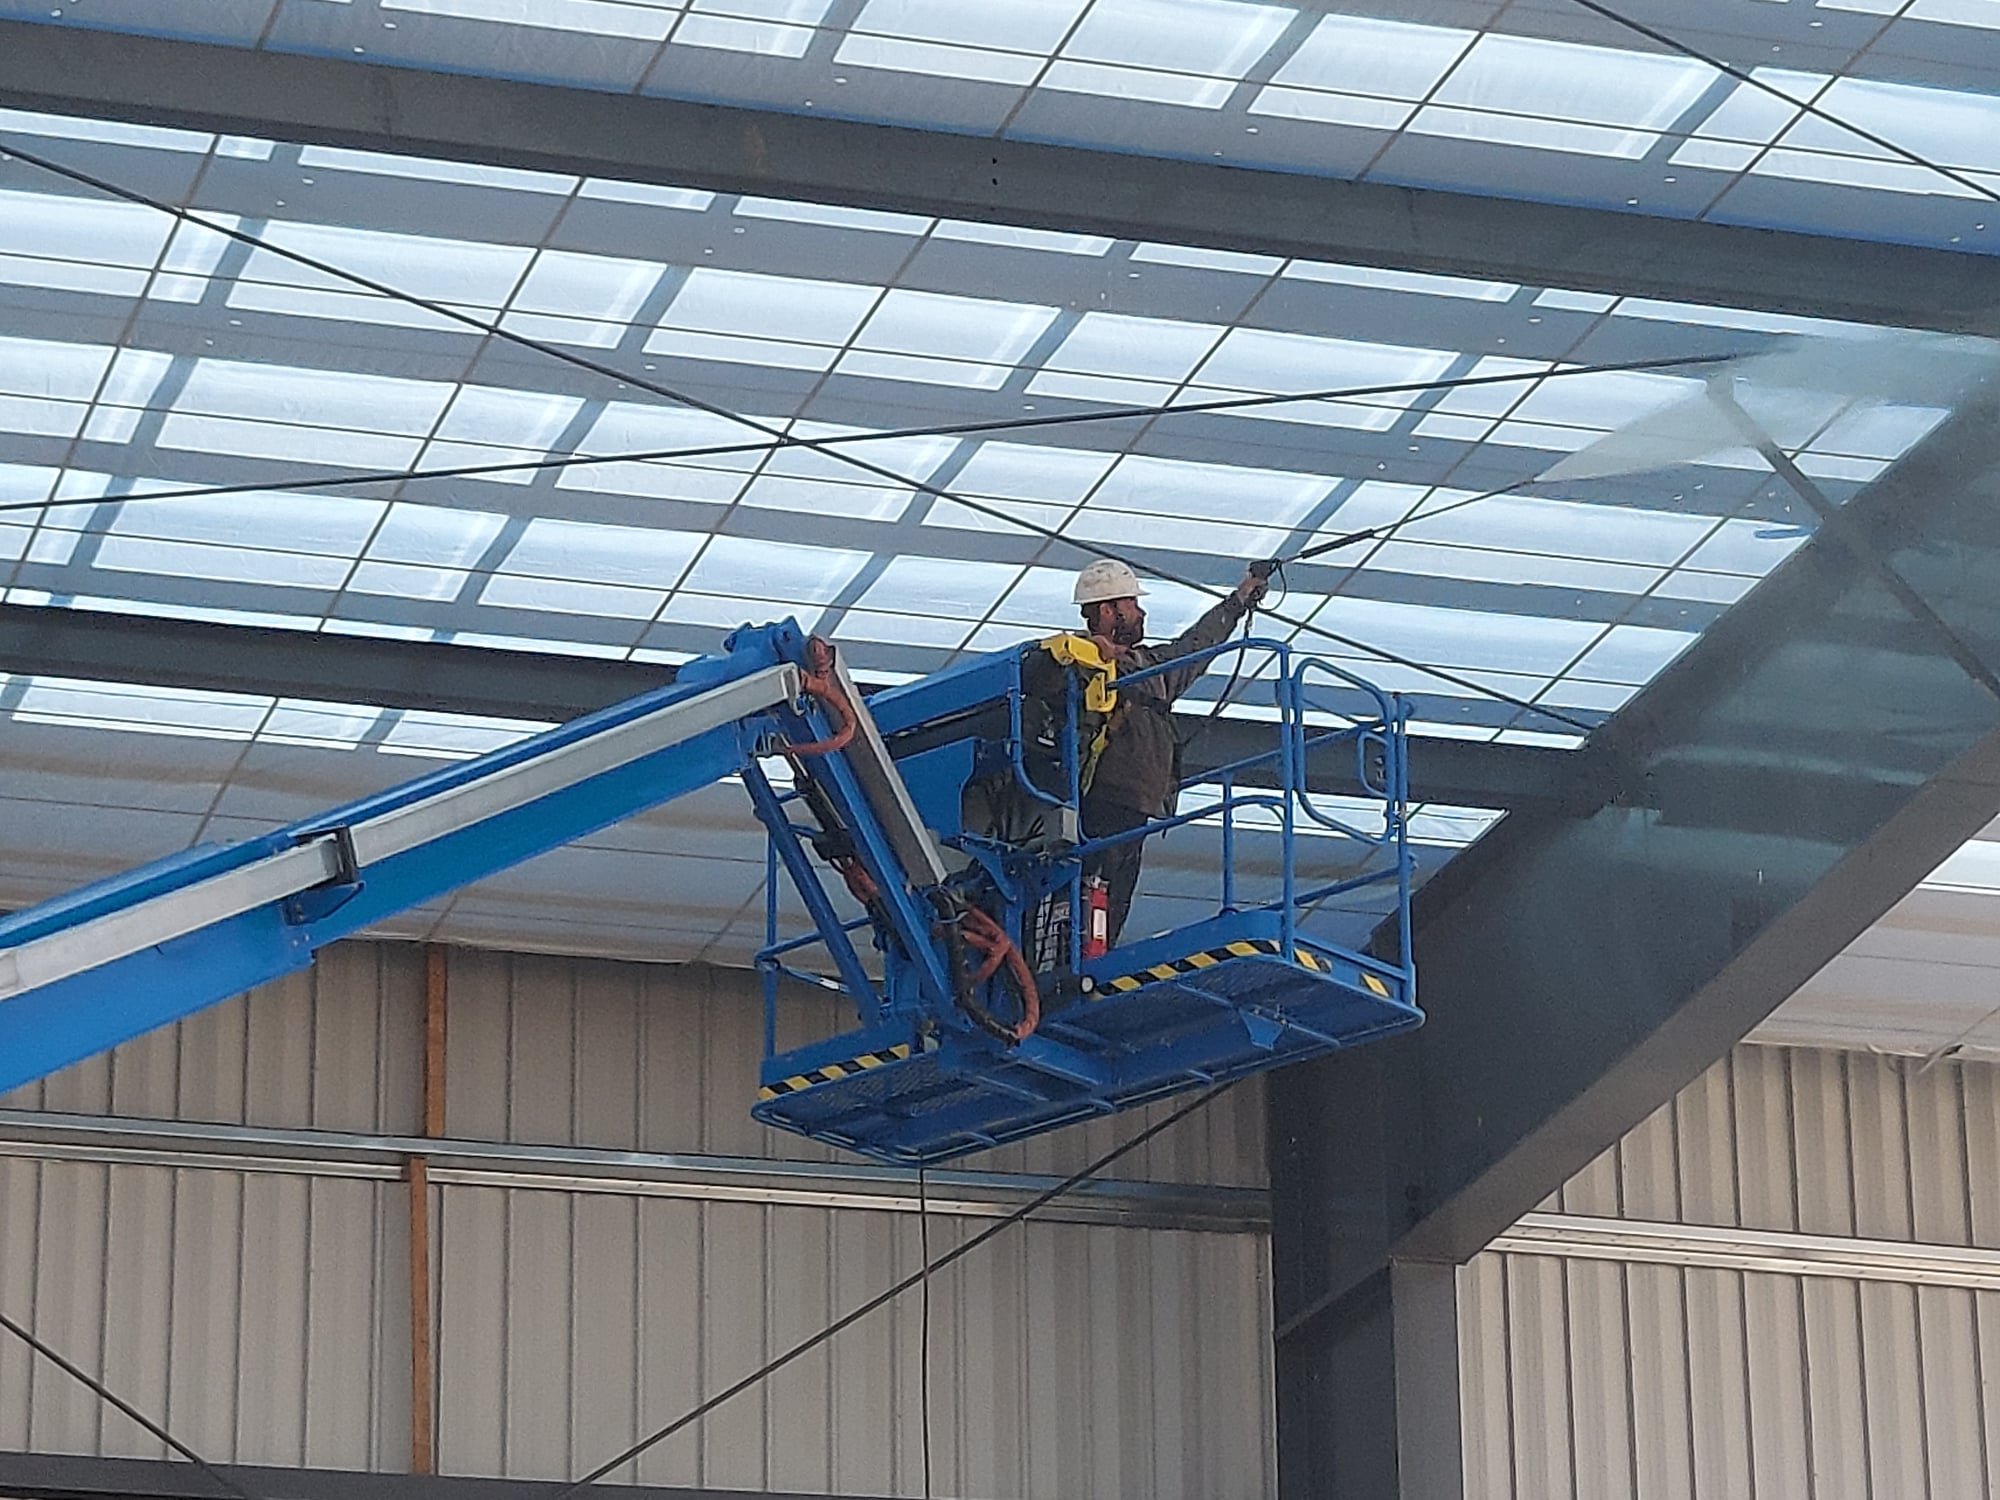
(1818, 752)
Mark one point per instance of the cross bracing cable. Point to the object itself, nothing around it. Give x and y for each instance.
(841, 440)
(883, 1298)
(494, 329)
(111, 1398)
(1825, 116)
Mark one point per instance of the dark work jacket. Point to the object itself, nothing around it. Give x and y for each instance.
(1140, 764)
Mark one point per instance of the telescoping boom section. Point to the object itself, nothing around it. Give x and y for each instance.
(926, 861)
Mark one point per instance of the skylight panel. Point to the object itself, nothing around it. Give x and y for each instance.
(1748, 547)
(277, 393)
(901, 630)
(1029, 26)
(455, 736)
(933, 60)
(1402, 281)
(946, 587)
(861, 502)
(609, 554)
(1602, 402)
(435, 535)
(71, 276)
(1259, 360)
(28, 484)
(1207, 260)
(628, 427)
(271, 569)
(44, 367)
(1526, 91)
(1758, 113)
(1528, 646)
(640, 20)
(407, 581)
(737, 566)
(191, 258)
(50, 226)
(462, 174)
(936, 326)
(606, 190)
(510, 419)
(748, 318)
(1149, 349)
(794, 12)
(1633, 654)
(915, 457)
(1515, 523)
(1191, 535)
(1022, 239)
(1175, 487)
(105, 132)
(1361, 55)
(335, 726)
(459, 272)
(1185, 52)
(1021, 471)
(831, 215)
(332, 525)
(733, 34)
(1880, 431)
(148, 710)
(1480, 565)
(595, 287)
(1984, 14)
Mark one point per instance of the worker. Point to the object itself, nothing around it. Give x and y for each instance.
(1137, 774)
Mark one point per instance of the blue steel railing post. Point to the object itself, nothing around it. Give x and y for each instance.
(770, 941)
(1229, 841)
(1290, 737)
(1400, 810)
(1073, 783)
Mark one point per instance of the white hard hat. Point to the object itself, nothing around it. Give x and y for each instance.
(1107, 578)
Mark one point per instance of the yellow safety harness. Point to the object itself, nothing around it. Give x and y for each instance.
(1100, 688)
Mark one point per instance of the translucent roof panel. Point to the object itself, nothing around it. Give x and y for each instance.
(878, 429)
(1545, 101)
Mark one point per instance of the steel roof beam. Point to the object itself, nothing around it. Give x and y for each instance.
(199, 656)
(550, 127)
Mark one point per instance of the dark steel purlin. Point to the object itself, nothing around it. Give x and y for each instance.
(1810, 759)
(551, 127)
(437, 677)
(62, 1476)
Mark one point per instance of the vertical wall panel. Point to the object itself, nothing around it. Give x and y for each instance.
(264, 1314)
(1538, 1370)
(1600, 1362)
(1718, 1382)
(1774, 1345)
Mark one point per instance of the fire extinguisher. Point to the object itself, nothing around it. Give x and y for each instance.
(1096, 916)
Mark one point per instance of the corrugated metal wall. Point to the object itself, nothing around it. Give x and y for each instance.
(553, 1051)
(263, 1313)
(1597, 1378)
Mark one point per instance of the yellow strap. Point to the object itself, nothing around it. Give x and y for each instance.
(1100, 688)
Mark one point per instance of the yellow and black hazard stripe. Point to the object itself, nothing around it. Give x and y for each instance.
(1194, 963)
(834, 1072)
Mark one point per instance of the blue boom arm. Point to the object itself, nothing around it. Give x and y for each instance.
(86, 971)
(978, 1016)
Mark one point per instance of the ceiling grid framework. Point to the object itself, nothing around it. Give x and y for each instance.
(141, 355)
(1541, 100)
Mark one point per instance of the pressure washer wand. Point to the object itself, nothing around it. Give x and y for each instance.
(1264, 568)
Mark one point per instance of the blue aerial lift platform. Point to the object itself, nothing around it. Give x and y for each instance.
(948, 810)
